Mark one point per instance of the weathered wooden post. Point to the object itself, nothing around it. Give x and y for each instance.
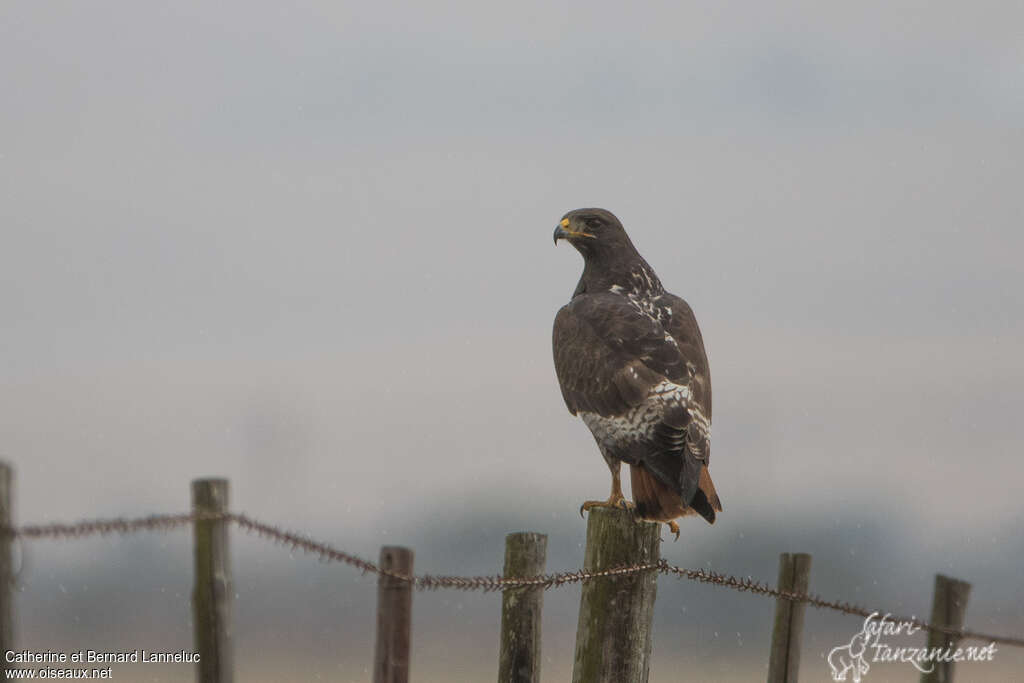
(949, 605)
(613, 636)
(212, 595)
(794, 577)
(519, 661)
(394, 617)
(6, 570)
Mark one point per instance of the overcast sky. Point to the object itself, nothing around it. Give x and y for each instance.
(308, 247)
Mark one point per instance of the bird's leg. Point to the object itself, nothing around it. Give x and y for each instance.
(673, 528)
(615, 500)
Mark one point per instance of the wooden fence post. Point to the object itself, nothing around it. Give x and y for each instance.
(394, 617)
(519, 661)
(6, 570)
(784, 660)
(949, 606)
(613, 636)
(212, 595)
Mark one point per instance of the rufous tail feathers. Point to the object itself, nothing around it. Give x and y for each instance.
(659, 502)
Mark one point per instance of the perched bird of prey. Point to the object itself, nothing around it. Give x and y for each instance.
(630, 361)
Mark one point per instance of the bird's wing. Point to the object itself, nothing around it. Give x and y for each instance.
(608, 355)
(682, 326)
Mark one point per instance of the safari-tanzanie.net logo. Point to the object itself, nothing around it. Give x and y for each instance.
(853, 660)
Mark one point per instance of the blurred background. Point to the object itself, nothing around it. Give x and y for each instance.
(307, 246)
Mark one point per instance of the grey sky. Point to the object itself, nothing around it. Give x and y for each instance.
(308, 248)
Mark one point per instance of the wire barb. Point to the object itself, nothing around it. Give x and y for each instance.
(486, 584)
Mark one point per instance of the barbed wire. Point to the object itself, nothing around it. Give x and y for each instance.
(487, 584)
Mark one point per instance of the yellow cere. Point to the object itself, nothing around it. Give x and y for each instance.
(565, 222)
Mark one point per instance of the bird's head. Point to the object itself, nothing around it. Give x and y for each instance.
(593, 232)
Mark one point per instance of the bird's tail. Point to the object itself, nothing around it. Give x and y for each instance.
(660, 502)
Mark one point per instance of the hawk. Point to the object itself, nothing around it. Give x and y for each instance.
(631, 363)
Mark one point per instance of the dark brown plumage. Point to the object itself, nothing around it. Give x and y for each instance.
(631, 363)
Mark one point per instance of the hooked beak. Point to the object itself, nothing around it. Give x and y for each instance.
(562, 231)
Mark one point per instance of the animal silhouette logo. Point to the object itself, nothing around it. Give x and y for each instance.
(849, 658)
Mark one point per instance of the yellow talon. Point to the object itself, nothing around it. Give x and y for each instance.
(614, 501)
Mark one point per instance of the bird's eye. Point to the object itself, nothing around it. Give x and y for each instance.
(593, 222)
